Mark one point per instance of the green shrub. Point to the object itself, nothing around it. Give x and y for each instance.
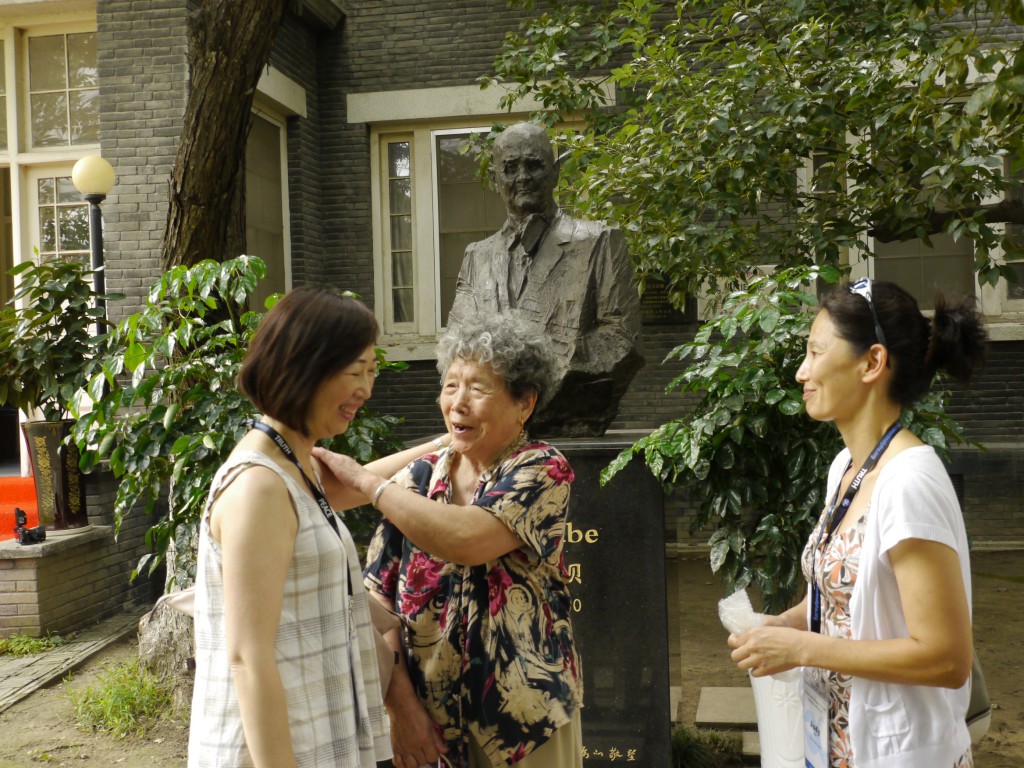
(23, 645)
(698, 748)
(124, 699)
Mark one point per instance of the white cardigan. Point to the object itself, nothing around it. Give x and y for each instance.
(903, 726)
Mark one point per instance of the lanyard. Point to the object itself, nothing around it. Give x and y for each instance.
(286, 449)
(835, 516)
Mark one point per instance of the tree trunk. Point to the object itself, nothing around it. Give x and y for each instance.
(230, 43)
(166, 641)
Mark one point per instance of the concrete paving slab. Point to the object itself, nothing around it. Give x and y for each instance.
(726, 709)
(751, 744)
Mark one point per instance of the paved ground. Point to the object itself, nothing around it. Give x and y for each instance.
(20, 676)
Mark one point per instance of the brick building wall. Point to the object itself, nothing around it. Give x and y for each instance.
(386, 46)
(77, 577)
(144, 79)
(306, 172)
(143, 75)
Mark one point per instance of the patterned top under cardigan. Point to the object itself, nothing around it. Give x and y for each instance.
(328, 666)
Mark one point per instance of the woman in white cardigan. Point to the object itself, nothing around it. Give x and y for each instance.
(884, 633)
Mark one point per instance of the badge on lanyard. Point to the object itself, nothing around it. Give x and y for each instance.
(816, 719)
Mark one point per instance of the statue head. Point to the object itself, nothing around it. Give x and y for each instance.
(523, 169)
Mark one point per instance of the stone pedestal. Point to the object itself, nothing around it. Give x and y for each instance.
(615, 551)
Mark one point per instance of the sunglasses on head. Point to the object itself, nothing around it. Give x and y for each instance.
(862, 287)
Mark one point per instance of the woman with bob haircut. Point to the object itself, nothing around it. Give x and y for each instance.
(884, 633)
(286, 670)
(470, 553)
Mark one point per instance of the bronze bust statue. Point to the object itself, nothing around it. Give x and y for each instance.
(572, 277)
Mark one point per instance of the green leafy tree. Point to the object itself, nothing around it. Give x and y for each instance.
(781, 131)
(751, 459)
(166, 411)
(46, 345)
(792, 133)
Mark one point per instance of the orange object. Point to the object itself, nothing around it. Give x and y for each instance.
(17, 492)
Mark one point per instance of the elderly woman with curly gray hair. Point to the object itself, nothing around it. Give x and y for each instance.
(470, 555)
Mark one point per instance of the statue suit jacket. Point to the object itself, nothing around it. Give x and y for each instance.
(578, 288)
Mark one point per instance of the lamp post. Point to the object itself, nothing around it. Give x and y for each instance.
(93, 177)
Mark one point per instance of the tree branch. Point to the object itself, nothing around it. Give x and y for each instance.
(1004, 212)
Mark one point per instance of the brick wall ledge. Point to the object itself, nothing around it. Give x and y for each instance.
(57, 542)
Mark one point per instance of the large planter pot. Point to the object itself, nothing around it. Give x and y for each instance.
(60, 484)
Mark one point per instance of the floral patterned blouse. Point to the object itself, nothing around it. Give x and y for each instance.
(489, 647)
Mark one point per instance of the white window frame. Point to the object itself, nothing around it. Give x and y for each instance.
(263, 109)
(413, 340)
(24, 33)
(14, 29)
(32, 177)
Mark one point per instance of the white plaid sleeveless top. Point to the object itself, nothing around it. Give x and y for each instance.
(325, 649)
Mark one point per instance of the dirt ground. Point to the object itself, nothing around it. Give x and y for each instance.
(41, 730)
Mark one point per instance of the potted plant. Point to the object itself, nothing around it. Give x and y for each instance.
(46, 351)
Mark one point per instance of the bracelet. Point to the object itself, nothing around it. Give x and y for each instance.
(438, 443)
(379, 491)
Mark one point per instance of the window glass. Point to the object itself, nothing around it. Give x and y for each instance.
(1015, 290)
(84, 116)
(399, 245)
(82, 72)
(47, 190)
(47, 65)
(49, 119)
(3, 98)
(63, 220)
(265, 231)
(6, 236)
(467, 210)
(946, 267)
(63, 92)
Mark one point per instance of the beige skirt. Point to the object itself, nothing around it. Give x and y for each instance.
(563, 750)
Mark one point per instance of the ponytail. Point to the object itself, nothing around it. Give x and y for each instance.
(957, 342)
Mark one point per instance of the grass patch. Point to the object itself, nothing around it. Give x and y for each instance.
(699, 748)
(124, 700)
(23, 645)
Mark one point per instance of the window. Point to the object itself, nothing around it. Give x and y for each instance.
(467, 211)
(63, 90)
(946, 267)
(427, 202)
(399, 230)
(266, 227)
(1015, 290)
(3, 98)
(432, 205)
(6, 238)
(63, 219)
